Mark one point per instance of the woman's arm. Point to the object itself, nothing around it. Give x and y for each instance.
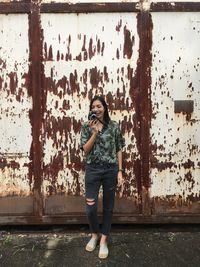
(119, 158)
(89, 144)
(120, 178)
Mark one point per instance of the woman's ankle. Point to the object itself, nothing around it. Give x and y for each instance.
(95, 236)
(103, 239)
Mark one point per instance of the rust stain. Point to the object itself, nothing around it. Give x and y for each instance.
(128, 43)
(98, 46)
(12, 164)
(176, 204)
(95, 77)
(51, 173)
(14, 87)
(117, 54)
(74, 85)
(189, 178)
(145, 28)
(79, 57)
(65, 127)
(189, 164)
(102, 48)
(161, 166)
(36, 71)
(2, 64)
(85, 75)
(85, 54)
(50, 54)
(70, 84)
(118, 27)
(58, 55)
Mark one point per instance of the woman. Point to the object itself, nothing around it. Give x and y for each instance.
(102, 143)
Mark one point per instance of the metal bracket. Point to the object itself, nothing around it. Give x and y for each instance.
(185, 106)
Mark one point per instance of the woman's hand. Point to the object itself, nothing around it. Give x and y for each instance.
(94, 127)
(120, 182)
(94, 124)
(120, 178)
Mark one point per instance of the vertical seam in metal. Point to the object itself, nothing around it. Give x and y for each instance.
(35, 77)
(145, 59)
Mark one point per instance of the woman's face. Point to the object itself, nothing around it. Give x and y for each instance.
(99, 109)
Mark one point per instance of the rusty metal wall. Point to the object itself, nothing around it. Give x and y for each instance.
(15, 127)
(75, 69)
(175, 125)
(138, 54)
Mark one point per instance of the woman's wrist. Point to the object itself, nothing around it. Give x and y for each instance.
(94, 132)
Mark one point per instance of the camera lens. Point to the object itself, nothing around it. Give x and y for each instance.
(92, 115)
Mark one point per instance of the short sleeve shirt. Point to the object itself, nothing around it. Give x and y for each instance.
(106, 145)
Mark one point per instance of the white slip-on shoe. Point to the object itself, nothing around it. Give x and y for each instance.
(91, 245)
(103, 251)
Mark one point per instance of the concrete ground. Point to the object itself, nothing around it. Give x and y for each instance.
(130, 245)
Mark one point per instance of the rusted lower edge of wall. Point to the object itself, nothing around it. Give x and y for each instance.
(81, 219)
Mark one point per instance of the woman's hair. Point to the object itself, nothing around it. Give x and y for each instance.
(103, 102)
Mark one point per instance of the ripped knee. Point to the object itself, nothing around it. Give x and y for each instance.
(90, 201)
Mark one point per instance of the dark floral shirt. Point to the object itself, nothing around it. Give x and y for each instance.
(108, 142)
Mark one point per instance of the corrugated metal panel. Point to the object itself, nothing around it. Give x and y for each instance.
(15, 127)
(176, 134)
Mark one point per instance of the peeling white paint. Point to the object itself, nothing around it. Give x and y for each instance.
(15, 127)
(175, 76)
(100, 28)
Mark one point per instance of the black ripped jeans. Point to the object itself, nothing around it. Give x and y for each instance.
(97, 175)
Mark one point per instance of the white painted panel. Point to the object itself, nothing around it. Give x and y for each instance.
(15, 104)
(175, 76)
(84, 55)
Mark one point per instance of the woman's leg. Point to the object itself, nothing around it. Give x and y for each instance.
(109, 189)
(92, 185)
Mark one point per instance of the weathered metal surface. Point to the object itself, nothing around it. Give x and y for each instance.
(64, 7)
(175, 6)
(50, 67)
(175, 167)
(15, 104)
(99, 2)
(36, 71)
(75, 69)
(81, 6)
(8, 8)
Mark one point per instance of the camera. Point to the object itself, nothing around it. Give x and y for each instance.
(92, 115)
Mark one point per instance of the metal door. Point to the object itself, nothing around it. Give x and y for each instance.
(84, 55)
(175, 126)
(16, 181)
